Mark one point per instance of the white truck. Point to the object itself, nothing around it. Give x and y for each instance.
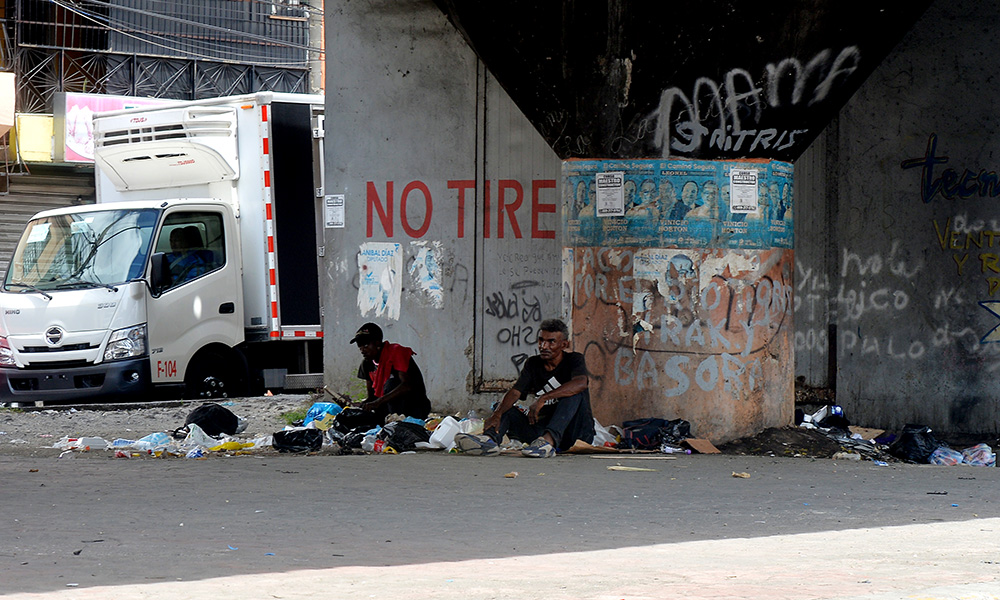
(196, 271)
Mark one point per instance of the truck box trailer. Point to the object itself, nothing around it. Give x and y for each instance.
(197, 270)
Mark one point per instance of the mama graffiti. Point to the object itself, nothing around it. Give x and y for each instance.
(712, 115)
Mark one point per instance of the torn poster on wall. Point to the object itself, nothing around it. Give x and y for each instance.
(380, 265)
(426, 271)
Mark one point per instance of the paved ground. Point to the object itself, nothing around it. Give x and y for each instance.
(447, 526)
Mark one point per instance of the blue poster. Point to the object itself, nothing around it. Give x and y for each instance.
(678, 204)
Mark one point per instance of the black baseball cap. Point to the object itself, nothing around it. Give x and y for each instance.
(367, 333)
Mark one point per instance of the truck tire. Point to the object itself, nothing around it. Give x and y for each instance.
(214, 374)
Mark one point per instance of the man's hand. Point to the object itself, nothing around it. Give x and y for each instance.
(491, 422)
(370, 405)
(535, 408)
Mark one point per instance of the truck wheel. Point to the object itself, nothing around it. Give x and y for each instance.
(213, 375)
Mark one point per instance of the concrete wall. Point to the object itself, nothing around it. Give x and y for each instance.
(906, 269)
(451, 240)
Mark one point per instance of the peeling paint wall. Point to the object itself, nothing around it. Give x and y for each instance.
(897, 284)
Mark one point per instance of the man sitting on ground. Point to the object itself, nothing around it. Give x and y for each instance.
(561, 412)
(395, 383)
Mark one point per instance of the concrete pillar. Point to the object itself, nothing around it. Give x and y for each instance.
(678, 279)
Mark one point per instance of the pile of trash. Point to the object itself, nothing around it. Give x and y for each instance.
(208, 428)
(915, 444)
(329, 427)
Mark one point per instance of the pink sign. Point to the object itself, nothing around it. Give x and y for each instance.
(79, 128)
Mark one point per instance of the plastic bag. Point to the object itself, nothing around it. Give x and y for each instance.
(945, 456)
(675, 432)
(352, 418)
(197, 437)
(323, 413)
(403, 436)
(915, 444)
(297, 440)
(980, 455)
(214, 419)
(604, 436)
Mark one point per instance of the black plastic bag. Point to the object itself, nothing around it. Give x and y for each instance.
(675, 432)
(403, 436)
(353, 439)
(352, 418)
(915, 444)
(298, 440)
(214, 419)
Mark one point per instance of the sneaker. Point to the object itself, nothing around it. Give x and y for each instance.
(539, 449)
(476, 445)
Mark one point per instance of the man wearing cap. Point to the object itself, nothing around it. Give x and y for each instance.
(395, 383)
(560, 414)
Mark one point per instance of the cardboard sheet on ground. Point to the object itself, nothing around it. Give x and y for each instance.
(701, 446)
(867, 433)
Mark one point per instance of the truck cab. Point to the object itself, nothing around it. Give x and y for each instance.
(172, 281)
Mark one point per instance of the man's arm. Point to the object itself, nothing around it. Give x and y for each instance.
(509, 400)
(571, 388)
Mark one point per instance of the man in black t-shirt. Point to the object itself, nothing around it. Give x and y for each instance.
(561, 412)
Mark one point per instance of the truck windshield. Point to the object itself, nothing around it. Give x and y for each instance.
(81, 250)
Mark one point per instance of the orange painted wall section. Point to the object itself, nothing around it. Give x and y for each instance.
(704, 335)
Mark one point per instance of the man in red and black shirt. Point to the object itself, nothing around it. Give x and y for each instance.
(395, 383)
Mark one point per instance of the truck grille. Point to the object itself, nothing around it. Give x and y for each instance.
(66, 348)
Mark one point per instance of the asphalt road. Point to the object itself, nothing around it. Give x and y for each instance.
(81, 523)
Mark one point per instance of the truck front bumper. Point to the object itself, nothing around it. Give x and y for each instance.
(118, 378)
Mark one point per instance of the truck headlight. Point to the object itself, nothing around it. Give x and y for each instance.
(126, 343)
(6, 354)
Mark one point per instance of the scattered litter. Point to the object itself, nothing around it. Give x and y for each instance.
(622, 468)
(511, 475)
(846, 456)
(741, 475)
(231, 548)
(937, 493)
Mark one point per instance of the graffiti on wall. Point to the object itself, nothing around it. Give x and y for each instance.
(682, 319)
(880, 290)
(731, 115)
(973, 244)
(679, 203)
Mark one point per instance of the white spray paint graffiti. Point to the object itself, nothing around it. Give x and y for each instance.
(880, 288)
(710, 116)
(380, 287)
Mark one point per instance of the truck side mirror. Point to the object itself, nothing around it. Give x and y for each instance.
(159, 273)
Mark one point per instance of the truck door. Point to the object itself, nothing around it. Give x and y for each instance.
(203, 303)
